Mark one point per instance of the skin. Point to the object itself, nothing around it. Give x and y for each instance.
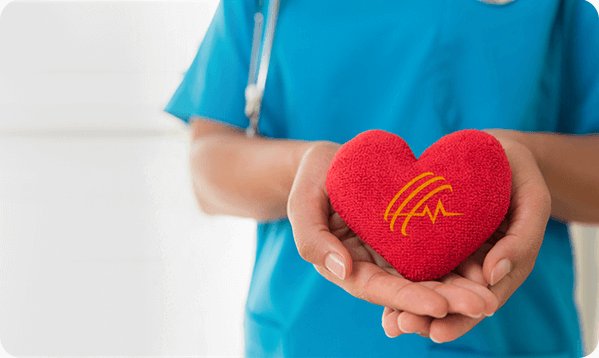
(268, 179)
(541, 164)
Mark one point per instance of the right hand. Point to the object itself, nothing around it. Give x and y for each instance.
(325, 240)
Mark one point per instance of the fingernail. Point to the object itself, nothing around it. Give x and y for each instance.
(442, 316)
(399, 324)
(489, 314)
(476, 317)
(418, 333)
(433, 339)
(335, 265)
(502, 268)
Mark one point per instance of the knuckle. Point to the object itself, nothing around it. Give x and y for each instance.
(518, 275)
(545, 199)
(291, 203)
(321, 271)
(363, 292)
(401, 293)
(304, 249)
(536, 247)
(360, 295)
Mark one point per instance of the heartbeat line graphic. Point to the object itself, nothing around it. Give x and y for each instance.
(414, 210)
(430, 214)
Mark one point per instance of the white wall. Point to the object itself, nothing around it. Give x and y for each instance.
(95, 65)
(102, 249)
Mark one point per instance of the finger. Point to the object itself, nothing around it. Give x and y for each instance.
(373, 284)
(308, 209)
(506, 287)
(472, 270)
(517, 251)
(454, 326)
(411, 323)
(390, 323)
(338, 227)
(451, 327)
(461, 300)
(491, 304)
(530, 210)
(387, 311)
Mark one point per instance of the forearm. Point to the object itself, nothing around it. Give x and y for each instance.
(570, 167)
(247, 177)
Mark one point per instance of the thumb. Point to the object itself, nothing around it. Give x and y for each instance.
(530, 208)
(308, 209)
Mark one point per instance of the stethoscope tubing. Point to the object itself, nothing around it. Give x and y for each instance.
(254, 91)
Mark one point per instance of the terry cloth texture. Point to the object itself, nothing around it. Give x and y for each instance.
(424, 216)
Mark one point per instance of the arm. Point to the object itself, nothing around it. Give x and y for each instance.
(235, 175)
(570, 166)
(567, 169)
(568, 173)
(267, 179)
(267, 167)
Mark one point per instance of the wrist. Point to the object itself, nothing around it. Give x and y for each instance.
(535, 142)
(312, 165)
(315, 147)
(304, 151)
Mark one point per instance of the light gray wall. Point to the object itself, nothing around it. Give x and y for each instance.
(102, 249)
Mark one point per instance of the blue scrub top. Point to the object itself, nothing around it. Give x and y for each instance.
(420, 69)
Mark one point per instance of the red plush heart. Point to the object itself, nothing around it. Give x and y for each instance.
(424, 216)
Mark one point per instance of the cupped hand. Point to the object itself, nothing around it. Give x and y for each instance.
(504, 262)
(325, 240)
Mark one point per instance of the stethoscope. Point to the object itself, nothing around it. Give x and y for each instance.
(259, 65)
(257, 75)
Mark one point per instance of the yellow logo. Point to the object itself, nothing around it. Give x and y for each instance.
(413, 212)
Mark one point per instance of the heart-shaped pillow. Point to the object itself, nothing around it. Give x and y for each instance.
(424, 216)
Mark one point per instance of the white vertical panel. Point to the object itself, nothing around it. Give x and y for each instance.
(585, 241)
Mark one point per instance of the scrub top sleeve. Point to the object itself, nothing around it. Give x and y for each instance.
(214, 85)
(580, 106)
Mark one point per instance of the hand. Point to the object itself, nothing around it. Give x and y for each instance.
(323, 239)
(506, 259)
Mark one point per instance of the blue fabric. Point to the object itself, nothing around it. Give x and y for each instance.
(420, 69)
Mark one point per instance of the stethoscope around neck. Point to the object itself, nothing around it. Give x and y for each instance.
(254, 92)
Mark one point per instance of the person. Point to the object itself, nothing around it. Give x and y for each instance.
(525, 72)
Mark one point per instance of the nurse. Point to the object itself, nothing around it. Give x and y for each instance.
(523, 71)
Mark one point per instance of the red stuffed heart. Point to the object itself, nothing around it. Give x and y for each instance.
(426, 215)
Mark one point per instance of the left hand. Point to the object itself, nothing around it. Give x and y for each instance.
(505, 260)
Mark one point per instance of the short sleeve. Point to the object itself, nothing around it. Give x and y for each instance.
(580, 106)
(214, 85)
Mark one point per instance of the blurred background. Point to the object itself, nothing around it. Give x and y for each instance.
(103, 251)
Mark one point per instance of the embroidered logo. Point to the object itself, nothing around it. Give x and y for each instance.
(414, 212)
